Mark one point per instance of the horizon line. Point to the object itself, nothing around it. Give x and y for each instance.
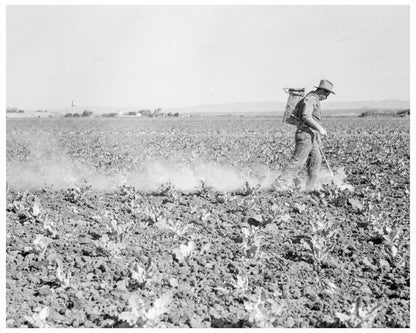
(197, 105)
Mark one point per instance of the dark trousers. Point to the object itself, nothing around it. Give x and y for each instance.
(306, 152)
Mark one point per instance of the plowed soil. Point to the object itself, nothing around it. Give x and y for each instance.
(86, 237)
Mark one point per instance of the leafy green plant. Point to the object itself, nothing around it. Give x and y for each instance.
(153, 214)
(139, 315)
(248, 204)
(184, 251)
(63, 278)
(322, 241)
(252, 242)
(35, 209)
(332, 194)
(41, 244)
(203, 191)
(241, 283)
(263, 312)
(395, 250)
(299, 207)
(249, 190)
(319, 249)
(328, 287)
(128, 192)
(50, 227)
(203, 215)
(268, 215)
(377, 220)
(168, 190)
(141, 274)
(179, 227)
(109, 247)
(119, 232)
(130, 198)
(360, 316)
(77, 193)
(27, 207)
(38, 320)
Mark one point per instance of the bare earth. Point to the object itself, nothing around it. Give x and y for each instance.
(176, 223)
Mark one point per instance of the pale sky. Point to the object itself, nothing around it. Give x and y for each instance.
(167, 56)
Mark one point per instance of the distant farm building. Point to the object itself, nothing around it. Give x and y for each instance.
(403, 113)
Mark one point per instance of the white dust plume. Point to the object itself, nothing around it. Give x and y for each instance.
(65, 173)
(150, 176)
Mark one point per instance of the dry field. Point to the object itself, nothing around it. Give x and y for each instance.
(175, 223)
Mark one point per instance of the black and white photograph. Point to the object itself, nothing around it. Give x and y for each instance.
(196, 165)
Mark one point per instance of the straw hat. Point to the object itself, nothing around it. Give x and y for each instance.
(326, 85)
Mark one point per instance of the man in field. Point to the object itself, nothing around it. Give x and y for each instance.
(308, 136)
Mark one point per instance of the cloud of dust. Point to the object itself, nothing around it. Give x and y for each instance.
(324, 178)
(48, 165)
(188, 178)
(338, 179)
(65, 173)
(58, 174)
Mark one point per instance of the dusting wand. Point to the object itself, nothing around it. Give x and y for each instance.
(326, 161)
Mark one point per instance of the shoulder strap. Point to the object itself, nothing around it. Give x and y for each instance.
(298, 107)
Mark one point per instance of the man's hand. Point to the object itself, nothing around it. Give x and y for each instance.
(322, 132)
(318, 138)
(315, 126)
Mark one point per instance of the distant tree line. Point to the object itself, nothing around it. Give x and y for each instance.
(385, 112)
(111, 114)
(155, 113)
(86, 113)
(142, 113)
(14, 110)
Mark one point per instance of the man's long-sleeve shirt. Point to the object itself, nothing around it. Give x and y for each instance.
(310, 108)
